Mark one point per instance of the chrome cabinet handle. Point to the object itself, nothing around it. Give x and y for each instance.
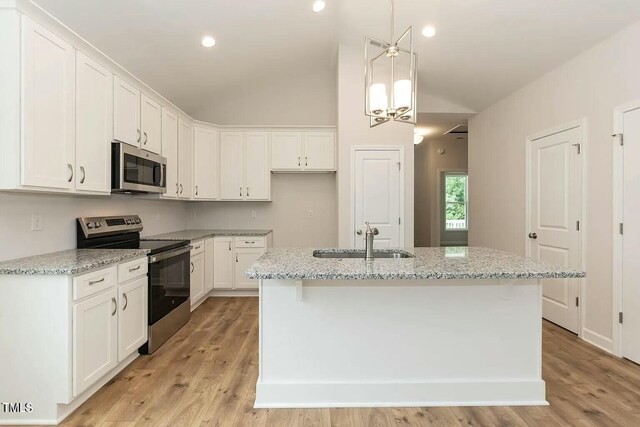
(306, 161)
(70, 170)
(298, 160)
(192, 268)
(83, 175)
(139, 135)
(134, 268)
(229, 245)
(93, 282)
(533, 236)
(145, 138)
(247, 191)
(196, 190)
(176, 188)
(236, 257)
(240, 191)
(197, 247)
(115, 306)
(249, 242)
(126, 302)
(181, 188)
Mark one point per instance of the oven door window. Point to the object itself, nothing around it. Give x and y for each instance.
(138, 170)
(169, 281)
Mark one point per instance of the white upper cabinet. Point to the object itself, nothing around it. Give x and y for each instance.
(126, 113)
(170, 152)
(150, 124)
(244, 166)
(313, 151)
(286, 151)
(257, 177)
(48, 142)
(205, 161)
(185, 155)
(232, 166)
(94, 97)
(319, 151)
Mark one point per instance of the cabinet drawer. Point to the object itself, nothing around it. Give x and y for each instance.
(94, 282)
(249, 242)
(132, 269)
(197, 247)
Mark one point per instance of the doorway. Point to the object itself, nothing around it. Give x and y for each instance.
(453, 207)
(554, 216)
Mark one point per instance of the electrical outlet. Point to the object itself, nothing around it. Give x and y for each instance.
(36, 222)
(310, 213)
(254, 214)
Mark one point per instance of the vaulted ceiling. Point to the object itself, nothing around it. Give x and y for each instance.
(484, 49)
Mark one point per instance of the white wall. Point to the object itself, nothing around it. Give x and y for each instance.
(589, 86)
(293, 195)
(59, 215)
(353, 129)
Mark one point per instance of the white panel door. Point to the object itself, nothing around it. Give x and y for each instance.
(631, 238)
(48, 142)
(223, 263)
(185, 159)
(257, 174)
(95, 339)
(126, 112)
(376, 197)
(319, 151)
(94, 125)
(232, 166)
(205, 163)
(170, 152)
(209, 251)
(555, 202)
(286, 151)
(244, 258)
(197, 278)
(132, 317)
(150, 124)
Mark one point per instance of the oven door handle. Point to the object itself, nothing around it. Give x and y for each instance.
(157, 258)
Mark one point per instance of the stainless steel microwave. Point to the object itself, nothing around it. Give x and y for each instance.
(137, 171)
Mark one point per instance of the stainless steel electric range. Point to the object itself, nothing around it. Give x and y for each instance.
(169, 270)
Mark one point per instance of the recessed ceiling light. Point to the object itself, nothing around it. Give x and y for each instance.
(318, 5)
(429, 31)
(208, 41)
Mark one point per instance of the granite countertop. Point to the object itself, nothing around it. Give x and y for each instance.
(202, 234)
(69, 262)
(428, 263)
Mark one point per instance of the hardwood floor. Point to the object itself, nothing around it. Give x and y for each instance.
(206, 375)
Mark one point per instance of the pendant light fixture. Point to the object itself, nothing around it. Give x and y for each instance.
(390, 78)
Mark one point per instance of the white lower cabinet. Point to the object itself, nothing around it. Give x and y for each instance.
(197, 274)
(245, 257)
(209, 254)
(95, 338)
(223, 263)
(132, 317)
(232, 257)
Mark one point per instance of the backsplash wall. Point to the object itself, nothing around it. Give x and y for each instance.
(59, 213)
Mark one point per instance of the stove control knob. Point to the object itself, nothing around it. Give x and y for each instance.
(138, 221)
(98, 225)
(89, 225)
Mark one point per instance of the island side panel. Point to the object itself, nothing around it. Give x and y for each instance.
(400, 343)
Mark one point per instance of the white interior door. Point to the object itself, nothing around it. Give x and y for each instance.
(553, 235)
(631, 238)
(376, 198)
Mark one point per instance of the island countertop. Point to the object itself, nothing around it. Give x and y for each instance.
(428, 263)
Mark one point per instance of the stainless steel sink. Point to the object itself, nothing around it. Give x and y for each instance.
(360, 254)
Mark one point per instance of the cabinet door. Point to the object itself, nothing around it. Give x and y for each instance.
(244, 258)
(257, 174)
(232, 166)
(185, 153)
(320, 151)
(197, 278)
(48, 142)
(286, 151)
(132, 317)
(150, 124)
(170, 152)
(95, 339)
(205, 163)
(209, 252)
(94, 98)
(126, 112)
(222, 263)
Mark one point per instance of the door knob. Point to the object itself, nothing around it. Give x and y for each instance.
(533, 236)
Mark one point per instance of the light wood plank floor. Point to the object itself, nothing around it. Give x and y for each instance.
(206, 375)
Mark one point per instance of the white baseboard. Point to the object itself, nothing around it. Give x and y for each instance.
(217, 293)
(598, 340)
(354, 395)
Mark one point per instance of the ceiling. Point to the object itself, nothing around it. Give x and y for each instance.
(434, 126)
(484, 49)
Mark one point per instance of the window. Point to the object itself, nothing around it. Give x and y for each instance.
(456, 201)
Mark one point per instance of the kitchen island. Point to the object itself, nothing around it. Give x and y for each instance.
(448, 326)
